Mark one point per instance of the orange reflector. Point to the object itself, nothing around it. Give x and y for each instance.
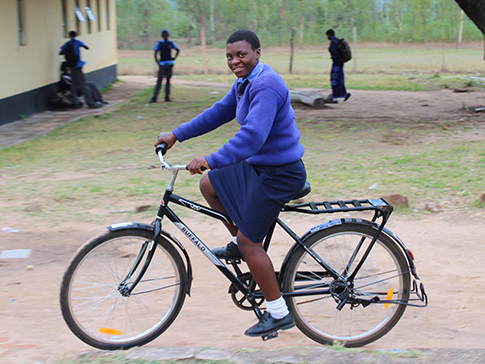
(389, 297)
(110, 331)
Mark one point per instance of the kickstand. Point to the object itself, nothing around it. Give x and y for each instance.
(270, 336)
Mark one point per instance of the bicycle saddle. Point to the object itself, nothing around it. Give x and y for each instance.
(305, 190)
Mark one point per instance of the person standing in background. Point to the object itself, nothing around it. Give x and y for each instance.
(337, 78)
(165, 64)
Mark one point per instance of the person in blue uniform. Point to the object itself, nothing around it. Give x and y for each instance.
(337, 78)
(256, 172)
(165, 64)
(78, 82)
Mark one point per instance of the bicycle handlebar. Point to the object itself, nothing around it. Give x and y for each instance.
(160, 150)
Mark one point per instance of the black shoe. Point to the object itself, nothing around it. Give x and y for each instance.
(152, 101)
(268, 325)
(168, 99)
(96, 105)
(78, 106)
(103, 102)
(230, 251)
(347, 96)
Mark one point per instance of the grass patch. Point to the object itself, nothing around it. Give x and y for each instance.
(96, 165)
(396, 354)
(375, 66)
(120, 358)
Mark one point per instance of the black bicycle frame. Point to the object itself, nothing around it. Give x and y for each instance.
(164, 210)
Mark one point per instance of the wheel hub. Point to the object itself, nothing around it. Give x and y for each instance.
(123, 289)
(339, 289)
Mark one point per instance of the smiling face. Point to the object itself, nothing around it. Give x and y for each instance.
(242, 58)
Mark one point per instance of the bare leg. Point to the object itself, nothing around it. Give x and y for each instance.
(211, 197)
(256, 257)
(260, 266)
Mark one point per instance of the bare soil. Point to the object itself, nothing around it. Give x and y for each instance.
(448, 247)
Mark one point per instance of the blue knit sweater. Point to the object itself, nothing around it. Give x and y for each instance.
(268, 135)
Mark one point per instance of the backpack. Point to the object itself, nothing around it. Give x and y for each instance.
(344, 50)
(70, 55)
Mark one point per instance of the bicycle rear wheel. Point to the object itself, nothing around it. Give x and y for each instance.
(93, 301)
(384, 274)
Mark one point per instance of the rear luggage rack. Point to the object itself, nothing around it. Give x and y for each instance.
(380, 207)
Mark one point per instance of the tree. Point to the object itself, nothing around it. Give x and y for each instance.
(475, 10)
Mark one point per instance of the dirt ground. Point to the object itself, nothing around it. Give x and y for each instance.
(448, 247)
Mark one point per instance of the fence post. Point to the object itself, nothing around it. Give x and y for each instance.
(291, 46)
(354, 52)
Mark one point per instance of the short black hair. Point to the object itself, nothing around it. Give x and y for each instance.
(246, 35)
(72, 34)
(331, 32)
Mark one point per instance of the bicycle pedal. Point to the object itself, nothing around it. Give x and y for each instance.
(270, 336)
(233, 261)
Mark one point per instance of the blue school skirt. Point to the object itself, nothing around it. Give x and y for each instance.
(254, 195)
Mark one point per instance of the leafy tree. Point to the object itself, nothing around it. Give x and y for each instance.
(211, 21)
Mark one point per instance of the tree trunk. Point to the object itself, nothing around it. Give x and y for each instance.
(475, 10)
(310, 98)
(301, 32)
(292, 48)
(460, 31)
(213, 23)
(202, 38)
(282, 18)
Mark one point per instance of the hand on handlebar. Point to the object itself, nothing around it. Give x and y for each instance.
(198, 165)
(168, 138)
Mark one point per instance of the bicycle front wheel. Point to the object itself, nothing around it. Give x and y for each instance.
(94, 300)
(384, 274)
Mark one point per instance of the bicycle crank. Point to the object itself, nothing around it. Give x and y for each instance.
(238, 298)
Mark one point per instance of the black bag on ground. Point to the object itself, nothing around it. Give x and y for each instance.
(344, 50)
(61, 100)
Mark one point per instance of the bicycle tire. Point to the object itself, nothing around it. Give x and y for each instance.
(354, 325)
(91, 301)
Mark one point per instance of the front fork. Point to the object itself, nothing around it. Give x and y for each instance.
(124, 287)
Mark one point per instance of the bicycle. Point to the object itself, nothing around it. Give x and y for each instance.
(345, 280)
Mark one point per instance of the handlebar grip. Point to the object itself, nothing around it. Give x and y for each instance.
(201, 168)
(162, 147)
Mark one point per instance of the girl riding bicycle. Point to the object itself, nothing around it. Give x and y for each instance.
(256, 172)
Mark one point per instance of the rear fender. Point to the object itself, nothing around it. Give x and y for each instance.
(331, 223)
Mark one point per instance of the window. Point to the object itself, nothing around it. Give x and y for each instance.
(20, 6)
(64, 19)
(79, 18)
(91, 16)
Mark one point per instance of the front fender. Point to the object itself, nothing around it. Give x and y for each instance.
(166, 234)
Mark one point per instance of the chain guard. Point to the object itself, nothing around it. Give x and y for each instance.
(238, 298)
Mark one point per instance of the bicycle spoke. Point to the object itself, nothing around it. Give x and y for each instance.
(348, 314)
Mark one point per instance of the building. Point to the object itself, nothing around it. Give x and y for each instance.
(31, 34)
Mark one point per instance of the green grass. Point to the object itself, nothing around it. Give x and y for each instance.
(121, 358)
(375, 66)
(96, 165)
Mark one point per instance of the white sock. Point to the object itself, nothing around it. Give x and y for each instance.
(234, 239)
(277, 308)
